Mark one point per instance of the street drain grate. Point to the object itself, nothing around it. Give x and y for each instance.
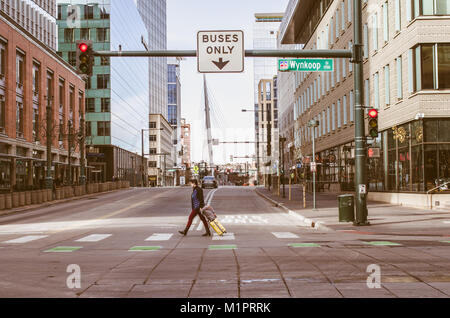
(222, 247)
(63, 249)
(144, 248)
(383, 243)
(304, 245)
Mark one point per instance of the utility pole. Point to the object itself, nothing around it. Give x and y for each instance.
(49, 140)
(313, 124)
(82, 138)
(282, 141)
(360, 134)
(69, 142)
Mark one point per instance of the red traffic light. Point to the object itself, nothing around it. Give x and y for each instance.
(373, 113)
(83, 47)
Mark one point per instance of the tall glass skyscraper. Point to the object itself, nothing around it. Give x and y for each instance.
(153, 13)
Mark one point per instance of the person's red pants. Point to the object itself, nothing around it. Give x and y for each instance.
(193, 214)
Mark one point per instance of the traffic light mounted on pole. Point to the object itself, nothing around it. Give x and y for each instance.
(84, 57)
(373, 123)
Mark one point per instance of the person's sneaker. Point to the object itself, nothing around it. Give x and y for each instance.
(183, 232)
(207, 234)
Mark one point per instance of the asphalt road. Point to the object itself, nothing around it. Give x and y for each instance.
(126, 244)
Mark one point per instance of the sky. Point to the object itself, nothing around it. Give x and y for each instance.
(230, 92)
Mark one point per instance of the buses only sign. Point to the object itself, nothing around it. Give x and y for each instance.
(220, 51)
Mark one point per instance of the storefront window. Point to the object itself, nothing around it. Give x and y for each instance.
(417, 168)
(444, 163)
(431, 164)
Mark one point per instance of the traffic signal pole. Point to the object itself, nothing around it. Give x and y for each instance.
(360, 134)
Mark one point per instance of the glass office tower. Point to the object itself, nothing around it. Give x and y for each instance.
(153, 13)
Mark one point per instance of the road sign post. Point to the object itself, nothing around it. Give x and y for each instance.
(220, 51)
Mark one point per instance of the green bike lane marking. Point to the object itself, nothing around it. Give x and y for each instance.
(304, 245)
(222, 247)
(383, 243)
(144, 248)
(63, 249)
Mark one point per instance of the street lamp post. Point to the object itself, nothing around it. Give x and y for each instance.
(313, 124)
(282, 141)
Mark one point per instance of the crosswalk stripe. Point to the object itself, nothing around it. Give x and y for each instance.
(159, 237)
(25, 239)
(94, 238)
(285, 235)
(225, 237)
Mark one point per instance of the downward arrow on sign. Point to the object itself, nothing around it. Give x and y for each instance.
(221, 64)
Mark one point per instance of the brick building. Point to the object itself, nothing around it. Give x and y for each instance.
(31, 72)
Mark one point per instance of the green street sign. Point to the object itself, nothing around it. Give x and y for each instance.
(306, 65)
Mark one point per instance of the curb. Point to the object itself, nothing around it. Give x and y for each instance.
(317, 225)
(34, 207)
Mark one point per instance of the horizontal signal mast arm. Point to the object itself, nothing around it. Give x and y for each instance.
(248, 53)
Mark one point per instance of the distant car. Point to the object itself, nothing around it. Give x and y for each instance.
(209, 181)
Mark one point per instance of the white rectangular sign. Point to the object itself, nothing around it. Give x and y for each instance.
(220, 51)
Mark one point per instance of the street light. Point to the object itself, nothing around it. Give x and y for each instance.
(313, 124)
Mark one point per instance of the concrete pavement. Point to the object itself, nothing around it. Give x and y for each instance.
(126, 244)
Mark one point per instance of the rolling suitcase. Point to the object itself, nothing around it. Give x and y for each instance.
(218, 227)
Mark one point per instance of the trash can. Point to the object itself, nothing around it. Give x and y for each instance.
(346, 208)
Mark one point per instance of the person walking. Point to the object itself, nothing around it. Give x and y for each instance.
(197, 202)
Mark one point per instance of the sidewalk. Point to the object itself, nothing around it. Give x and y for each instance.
(384, 218)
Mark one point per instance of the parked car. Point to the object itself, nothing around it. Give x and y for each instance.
(209, 181)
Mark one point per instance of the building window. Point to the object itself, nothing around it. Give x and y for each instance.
(2, 59)
(72, 58)
(19, 119)
(431, 66)
(344, 108)
(152, 138)
(102, 81)
(85, 34)
(102, 35)
(104, 61)
(104, 11)
(375, 31)
(387, 86)
(89, 12)
(152, 164)
(106, 105)
(153, 151)
(90, 105)
(2, 114)
(104, 128)
(152, 125)
(69, 35)
(20, 69)
(398, 19)
(385, 22)
(88, 128)
(339, 121)
(36, 78)
(430, 7)
(399, 78)
(352, 107)
(35, 122)
(376, 90)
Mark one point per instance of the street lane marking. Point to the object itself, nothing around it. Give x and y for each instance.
(26, 239)
(159, 237)
(244, 219)
(222, 247)
(94, 238)
(225, 237)
(284, 235)
(304, 245)
(447, 222)
(144, 248)
(63, 249)
(383, 243)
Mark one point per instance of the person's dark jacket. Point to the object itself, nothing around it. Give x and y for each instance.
(197, 199)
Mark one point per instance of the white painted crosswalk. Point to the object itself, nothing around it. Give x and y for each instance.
(160, 237)
(285, 235)
(225, 237)
(25, 239)
(94, 238)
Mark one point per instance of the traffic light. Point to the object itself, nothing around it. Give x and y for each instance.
(373, 123)
(84, 57)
